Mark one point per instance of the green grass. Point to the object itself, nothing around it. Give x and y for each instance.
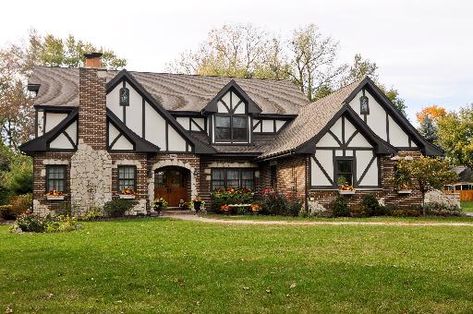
(159, 265)
(388, 219)
(467, 206)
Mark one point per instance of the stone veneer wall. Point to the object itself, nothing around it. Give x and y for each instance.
(91, 177)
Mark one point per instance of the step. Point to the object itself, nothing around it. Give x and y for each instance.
(172, 212)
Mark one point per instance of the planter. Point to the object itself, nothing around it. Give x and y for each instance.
(404, 191)
(127, 196)
(197, 206)
(346, 192)
(55, 197)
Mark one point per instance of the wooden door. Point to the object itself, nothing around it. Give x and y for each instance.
(170, 183)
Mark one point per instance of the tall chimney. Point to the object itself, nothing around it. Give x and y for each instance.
(93, 60)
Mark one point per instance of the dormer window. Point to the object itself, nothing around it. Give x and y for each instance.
(231, 128)
(231, 120)
(124, 96)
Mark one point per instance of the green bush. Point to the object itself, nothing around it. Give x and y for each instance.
(274, 203)
(30, 223)
(340, 207)
(92, 213)
(34, 223)
(371, 206)
(117, 207)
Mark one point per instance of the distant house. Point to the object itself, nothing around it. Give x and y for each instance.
(464, 185)
(103, 134)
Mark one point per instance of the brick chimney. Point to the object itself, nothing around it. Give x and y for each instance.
(93, 60)
(92, 103)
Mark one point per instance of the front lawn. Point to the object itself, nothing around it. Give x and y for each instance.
(160, 265)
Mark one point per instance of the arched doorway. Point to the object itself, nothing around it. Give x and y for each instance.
(173, 184)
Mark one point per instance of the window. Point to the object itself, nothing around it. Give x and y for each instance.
(231, 128)
(344, 168)
(56, 178)
(364, 105)
(233, 178)
(126, 178)
(124, 96)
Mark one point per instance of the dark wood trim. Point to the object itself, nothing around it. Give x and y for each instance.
(143, 118)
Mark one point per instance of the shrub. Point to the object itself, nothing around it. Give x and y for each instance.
(30, 223)
(19, 204)
(340, 207)
(92, 213)
(34, 223)
(274, 203)
(117, 207)
(371, 206)
(61, 224)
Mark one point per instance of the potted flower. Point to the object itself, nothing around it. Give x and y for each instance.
(225, 209)
(343, 187)
(198, 204)
(255, 208)
(55, 195)
(127, 193)
(159, 204)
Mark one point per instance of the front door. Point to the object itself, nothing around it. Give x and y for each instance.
(170, 183)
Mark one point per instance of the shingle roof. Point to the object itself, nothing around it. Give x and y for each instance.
(310, 121)
(176, 92)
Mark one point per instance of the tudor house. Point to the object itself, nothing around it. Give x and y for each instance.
(102, 133)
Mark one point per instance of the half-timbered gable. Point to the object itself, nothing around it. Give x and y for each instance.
(344, 146)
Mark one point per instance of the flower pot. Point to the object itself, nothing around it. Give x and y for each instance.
(55, 197)
(404, 191)
(197, 205)
(127, 196)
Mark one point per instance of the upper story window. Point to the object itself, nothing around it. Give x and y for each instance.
(344, 170)
(231, 120)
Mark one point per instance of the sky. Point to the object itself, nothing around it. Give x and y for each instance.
(422, 48)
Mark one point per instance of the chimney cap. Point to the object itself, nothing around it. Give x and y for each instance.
(93, 55)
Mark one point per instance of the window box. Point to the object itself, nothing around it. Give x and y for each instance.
(346, 192)
(404, 191)
(127, 196)
(55, 197)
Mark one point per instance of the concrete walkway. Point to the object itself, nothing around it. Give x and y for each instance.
(190, 217)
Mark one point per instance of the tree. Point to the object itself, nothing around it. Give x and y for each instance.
(426, 174)
(17, 62)
(312, 61)
(455, 135)
(433, 112)
(360, 69)
(235, 51)
(428, 130)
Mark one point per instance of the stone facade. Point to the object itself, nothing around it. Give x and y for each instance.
(90, 177)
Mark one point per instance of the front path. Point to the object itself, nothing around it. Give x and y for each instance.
(190, 217)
